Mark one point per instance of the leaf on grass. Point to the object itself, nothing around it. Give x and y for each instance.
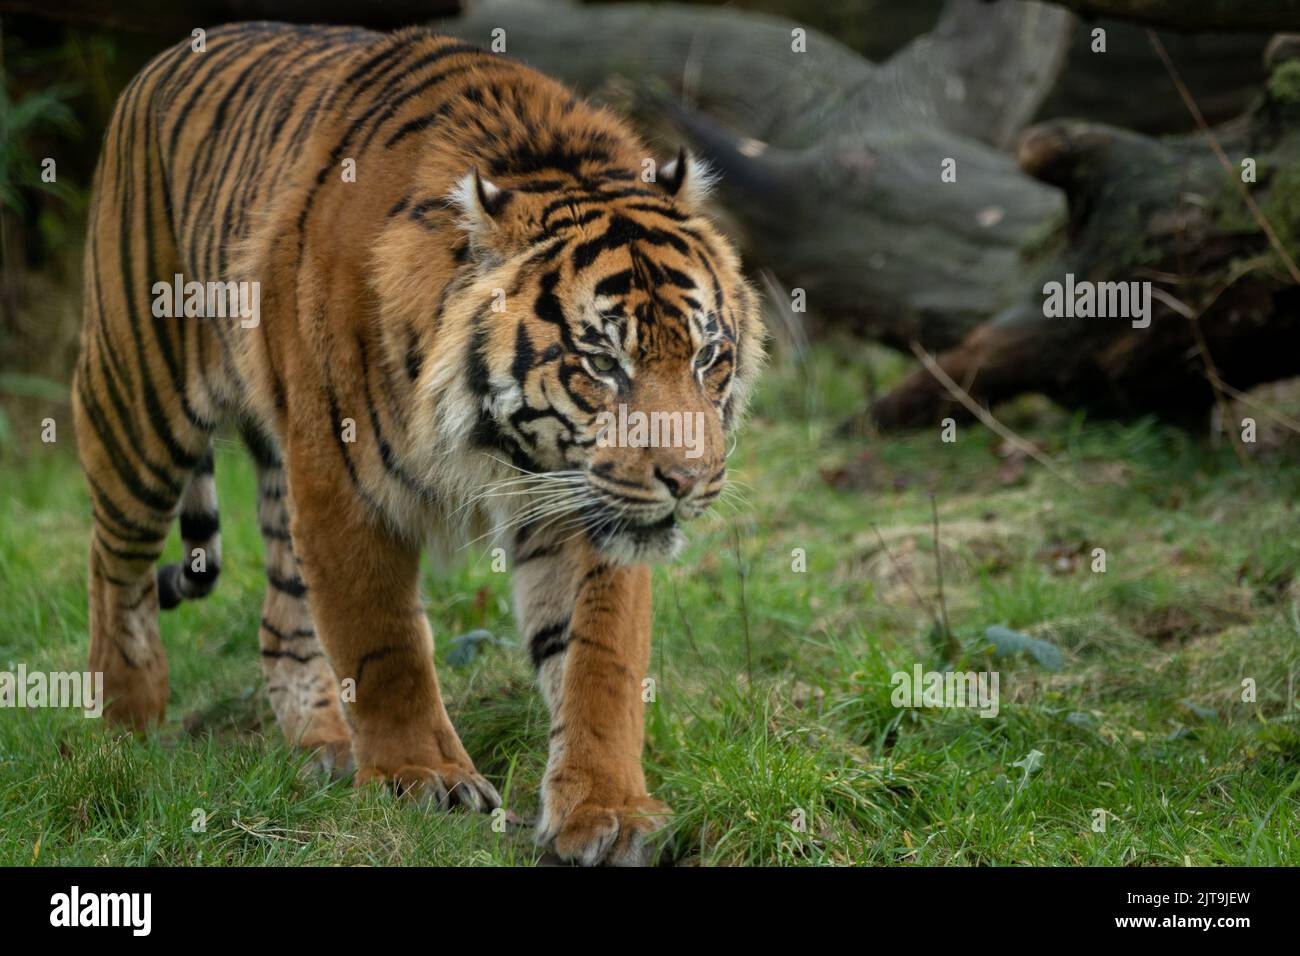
(1008, 643)
(1082, 718)
(1032, 762)
(466, 647)
(1205, 713)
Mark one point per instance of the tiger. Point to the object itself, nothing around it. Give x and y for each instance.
(460, 270)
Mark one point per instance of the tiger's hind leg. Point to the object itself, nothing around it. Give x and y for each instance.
(134, 492)
(145, 403)
(302, 686)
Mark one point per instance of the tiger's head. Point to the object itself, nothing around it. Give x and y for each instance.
(607, 344)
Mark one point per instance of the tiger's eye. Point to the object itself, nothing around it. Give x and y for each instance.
(603, 363)
(705, 355)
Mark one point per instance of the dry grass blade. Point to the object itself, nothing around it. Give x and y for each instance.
(987, 418)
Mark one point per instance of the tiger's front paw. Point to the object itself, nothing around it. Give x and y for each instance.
(591, 834)
(444, 787)
(329, 758)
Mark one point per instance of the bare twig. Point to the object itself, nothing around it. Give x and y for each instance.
(257, 829)
(1282, 419)
(986, 417)
(1219, 392)
(949, 642)
(1194, 316)
(687, 629)
(907, 579)
(1220, 387)
(1226, 163)
(741, 574)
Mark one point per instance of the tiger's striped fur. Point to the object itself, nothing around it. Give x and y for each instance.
(437, 339)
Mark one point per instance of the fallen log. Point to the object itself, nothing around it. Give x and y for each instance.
(1164, 212)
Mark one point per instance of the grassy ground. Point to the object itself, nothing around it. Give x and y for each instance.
(773, 692)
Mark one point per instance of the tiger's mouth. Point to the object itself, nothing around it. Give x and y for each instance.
(629, 542)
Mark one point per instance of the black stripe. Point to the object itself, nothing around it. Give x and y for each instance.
(390, 54)
(281, 636)
(157, 416)
(548, 642)
(201, 582)
(620, 283)
(199, 525)
(666, 211)
(336, 423)
(300, 658)
(386, 456)
(623, 232)
(160, 501)
(147, 556)
(292, 586)
(134, 532)
(543, 551)
(148, 589)
(367, 658)
(385, 95)
(261, 446)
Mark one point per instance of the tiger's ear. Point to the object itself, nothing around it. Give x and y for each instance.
(687, 179)
(480, 204)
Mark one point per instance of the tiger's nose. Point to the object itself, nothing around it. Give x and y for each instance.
(679, 479)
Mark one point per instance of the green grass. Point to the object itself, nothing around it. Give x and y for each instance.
(772, 734)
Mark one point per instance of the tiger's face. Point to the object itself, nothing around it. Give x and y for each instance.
(613, 356)
(646, 387)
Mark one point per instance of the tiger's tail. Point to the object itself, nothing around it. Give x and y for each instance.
(196, 574)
